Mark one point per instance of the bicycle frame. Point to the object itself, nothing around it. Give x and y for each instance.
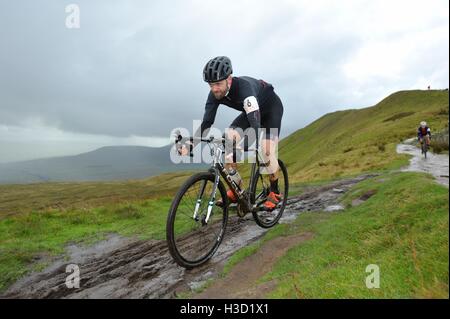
(219, 170)
(424, 144)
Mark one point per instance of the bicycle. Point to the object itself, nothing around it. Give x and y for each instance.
(196, 223)
(424, 146)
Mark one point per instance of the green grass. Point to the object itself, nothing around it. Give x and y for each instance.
(364, 140)
(402, 228)
(23, 198)
(308, 221)
(27, 237)
(439, 142)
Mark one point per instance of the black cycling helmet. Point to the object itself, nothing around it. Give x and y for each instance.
(217, 69)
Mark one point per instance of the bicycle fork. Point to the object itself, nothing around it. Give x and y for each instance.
(211, 202)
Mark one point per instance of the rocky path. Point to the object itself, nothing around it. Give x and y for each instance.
(435, 164)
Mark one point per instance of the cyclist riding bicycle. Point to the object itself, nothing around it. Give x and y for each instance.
(260, 107)
(424, 131)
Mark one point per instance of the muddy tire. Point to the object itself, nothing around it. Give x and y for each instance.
(424, 149)
(185, 234)
(259, 188)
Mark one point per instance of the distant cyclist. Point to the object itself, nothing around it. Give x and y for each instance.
(424, 132)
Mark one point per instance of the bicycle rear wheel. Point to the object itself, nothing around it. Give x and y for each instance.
(192, 239)
(260, 189)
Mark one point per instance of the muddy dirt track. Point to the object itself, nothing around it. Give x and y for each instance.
(127, 268)
(435, 164)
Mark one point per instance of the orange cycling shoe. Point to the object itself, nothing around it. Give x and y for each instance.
(272, 200)
(231, 198)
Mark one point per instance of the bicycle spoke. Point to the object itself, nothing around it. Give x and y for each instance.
(264, 216)
(196, 238)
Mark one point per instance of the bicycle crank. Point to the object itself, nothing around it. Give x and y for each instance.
(240, 211)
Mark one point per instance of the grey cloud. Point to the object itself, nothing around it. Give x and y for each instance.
(135, 67)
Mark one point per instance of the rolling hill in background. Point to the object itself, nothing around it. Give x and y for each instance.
(337, 144)
(106, 163)
(354, 141)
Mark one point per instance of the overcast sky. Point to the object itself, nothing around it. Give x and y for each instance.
(133, 70)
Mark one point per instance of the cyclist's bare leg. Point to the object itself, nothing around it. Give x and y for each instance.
(232, 134)
(269, 147)
(269, 154)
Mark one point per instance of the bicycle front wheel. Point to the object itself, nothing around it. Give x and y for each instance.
(195, 224)
(260, 189)
(424, 149)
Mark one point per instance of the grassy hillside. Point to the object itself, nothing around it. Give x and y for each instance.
(61, 196)
(406, 237)
(337, 144)
(353, 141)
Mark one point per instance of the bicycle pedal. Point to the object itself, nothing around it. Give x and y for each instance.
(240, 212)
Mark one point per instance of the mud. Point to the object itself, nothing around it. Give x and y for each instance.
(435, 164)
(129, 268)
(358, 201)
(244, 275)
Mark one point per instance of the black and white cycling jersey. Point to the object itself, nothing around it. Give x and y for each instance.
(255, 99)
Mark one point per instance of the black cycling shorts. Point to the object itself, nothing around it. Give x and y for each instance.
(271, 118)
